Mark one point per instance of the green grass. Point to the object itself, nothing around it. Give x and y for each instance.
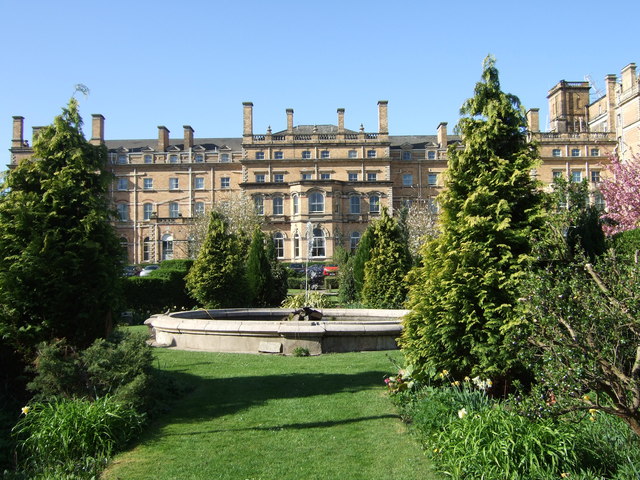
(272, 417)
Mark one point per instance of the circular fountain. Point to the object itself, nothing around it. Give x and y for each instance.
(278, 330)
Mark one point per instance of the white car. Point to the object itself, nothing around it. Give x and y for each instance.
(148, 269)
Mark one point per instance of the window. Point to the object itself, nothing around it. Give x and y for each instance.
(353, 154)
(224, 158)
(595, 176)
(173, 158)
(316, 202)
(147, 183)
(296, 204)
(173, 184)
(306, 154)
(407, 179)
(296, 246)
(124, 245)
(123, 183)
(174, 210)
(372, 177)
(374, 204)
(371, 154)
(199, 158)
(259, 177)
(278, 206)
(557, 174)
(225, 182)
(146, 249)
(432, 179)
(431, 155)
(199, 183)
(148, 159)
(259, 155)
(406, 155)
(278, 242)
(167, 247)
(122, 159)
(555, 152)
(353, 177)
(198, 208)
(353, 241)
(595, 152)
(354, 205)
(123, 212)
(325, 176)
(575, 152)
(324, 154)
(147, 211)
(259, 204)
(317, 243)
(306, 176)
(278, 155)
(576, 176)
(278, 177)
(598, 201)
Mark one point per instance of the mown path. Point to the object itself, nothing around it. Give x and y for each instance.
(271, 417)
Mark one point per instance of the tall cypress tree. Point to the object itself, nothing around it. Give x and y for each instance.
(463, 295)
(60, 259)
(259, 278)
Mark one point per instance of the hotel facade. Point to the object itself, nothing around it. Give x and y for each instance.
(319, 186)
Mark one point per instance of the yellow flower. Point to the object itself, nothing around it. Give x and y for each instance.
(593, 411)
(435, 450)
(467, 379)
(593, 419)
(586, 398)
(456, 383)
(25, 410)
(564, 475)
(445, 372)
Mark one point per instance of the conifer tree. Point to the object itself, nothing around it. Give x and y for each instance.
(258, 271)
(360, 258)
(217, 278)
(388, 264)
(279, 274)
(60, 259)
(462, 297)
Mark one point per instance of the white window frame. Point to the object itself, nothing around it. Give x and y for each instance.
(372, 177)
(374, 204)
(407, 179)
(278, 206)
(147, 183)
(316, 202)
(225, 182)
(147, 211)
(198, 183)
(123, 184)
(174, 183)
(174, 210)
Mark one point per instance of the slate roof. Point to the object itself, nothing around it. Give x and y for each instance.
(234, 144)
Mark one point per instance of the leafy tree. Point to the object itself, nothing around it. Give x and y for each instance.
(586, 328)
(621, 192)
(419, 223)
(389, 262)
(258, 271)
(217, 278)
(60, 260)
(462, 297)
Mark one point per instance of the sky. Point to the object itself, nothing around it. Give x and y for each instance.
(151, 63)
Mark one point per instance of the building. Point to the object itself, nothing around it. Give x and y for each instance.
(319, 186)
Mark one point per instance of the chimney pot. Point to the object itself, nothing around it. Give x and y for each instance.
(163, 138)
(18, 132)
(97, 129)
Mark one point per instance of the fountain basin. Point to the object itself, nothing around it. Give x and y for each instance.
(267, 330)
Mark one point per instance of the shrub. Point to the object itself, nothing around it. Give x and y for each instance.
(311, 299)
(295, 282)
(627, 243)
(164, 289)
(63, 436)
(300, 352)
(331, 283)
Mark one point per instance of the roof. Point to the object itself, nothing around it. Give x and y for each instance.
(207, 143)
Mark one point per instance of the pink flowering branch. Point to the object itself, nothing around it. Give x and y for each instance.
(621, 192)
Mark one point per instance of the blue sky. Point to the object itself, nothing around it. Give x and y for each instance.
(195, 62)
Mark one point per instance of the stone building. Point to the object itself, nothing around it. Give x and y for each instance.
(319, 186)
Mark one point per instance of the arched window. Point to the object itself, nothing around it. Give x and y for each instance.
(354, 205)
(318, 243)
(278, 206)
(278, 242)
(259, 205)
(123, 212)
(374, 204)
(147, 210)
(296, 204)
(316, 202)
(146, 249)
(296, 246)
(354, 240)
(167, 247)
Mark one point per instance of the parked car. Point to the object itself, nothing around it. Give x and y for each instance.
(130, 271)
(330, 270)
(298, 268)
(316, 277)
(148, 269)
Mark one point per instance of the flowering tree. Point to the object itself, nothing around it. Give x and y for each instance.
(621, 192)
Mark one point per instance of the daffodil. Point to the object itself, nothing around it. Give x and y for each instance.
(25, 410)
(462, 412)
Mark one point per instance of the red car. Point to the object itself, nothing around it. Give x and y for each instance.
(330, 270)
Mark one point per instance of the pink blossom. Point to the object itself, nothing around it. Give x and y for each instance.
(621, 192)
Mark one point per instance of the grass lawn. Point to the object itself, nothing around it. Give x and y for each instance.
(272, 417)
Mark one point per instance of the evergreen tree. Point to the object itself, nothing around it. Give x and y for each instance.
(462, 297)
(60, 259)
(389, 262)
(360, 258)
(258, 271)
(279, 273)
(217, 278)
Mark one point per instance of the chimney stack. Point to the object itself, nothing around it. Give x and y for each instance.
(163, 138)
(628, 77)
(188, 137)
(289, 120)
(383, 120)
(247, 118)
(533, 120)
(97, 129)
(442, 135)
(341, 120)
(611, 82)
(18, 132)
